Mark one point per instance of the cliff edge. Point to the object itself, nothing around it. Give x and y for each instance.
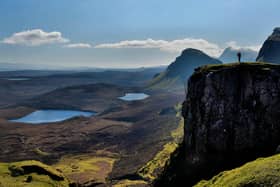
(232, 116)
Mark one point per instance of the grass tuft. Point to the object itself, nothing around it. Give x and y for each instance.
(39, 152)
(130, 183)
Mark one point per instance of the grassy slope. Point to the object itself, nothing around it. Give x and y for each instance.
(150, 172)
(80, 169)
(85, 168)
(166, 83)
(14, 175)
(261, 172)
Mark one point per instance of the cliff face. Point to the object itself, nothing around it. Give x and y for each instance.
(232, 115)
(270, 51)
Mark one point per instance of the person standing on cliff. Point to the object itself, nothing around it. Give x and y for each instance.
(239, 57)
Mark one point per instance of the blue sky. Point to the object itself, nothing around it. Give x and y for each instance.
(128, 33)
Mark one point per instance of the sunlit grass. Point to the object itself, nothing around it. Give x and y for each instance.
(83, 168)
(14, 175)
(162, 158)
(126, 183)
(261, 172)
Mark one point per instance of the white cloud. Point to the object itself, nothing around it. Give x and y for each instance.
(234, 45)
(169, 46)
(35, 37)
(78, 45)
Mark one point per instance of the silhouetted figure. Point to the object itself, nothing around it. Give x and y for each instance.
(239, 57)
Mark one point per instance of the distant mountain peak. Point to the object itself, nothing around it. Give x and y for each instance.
(270, 51)
(182, 68)
(191, 51)
(276, 30)
(275, 35)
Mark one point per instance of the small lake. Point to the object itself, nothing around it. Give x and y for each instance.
(48, 116)
(134, 96)
(17, 79)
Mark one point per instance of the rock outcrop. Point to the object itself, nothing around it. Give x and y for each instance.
(270, 51)
(232, 115)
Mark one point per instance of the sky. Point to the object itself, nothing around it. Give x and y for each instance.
(129, 33)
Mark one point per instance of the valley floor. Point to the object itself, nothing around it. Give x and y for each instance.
(109, 147)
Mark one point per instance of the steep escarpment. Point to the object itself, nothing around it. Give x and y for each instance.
(232, 116)
(270, 51)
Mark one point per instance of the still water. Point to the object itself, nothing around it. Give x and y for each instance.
(48, 116)
(134, 96)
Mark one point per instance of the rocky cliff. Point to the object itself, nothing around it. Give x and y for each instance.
(270, 51)
(232, 115)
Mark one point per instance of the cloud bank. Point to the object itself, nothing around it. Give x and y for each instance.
(35, 37)
(234, 45)
(168, 46)
(176, 46)
(38, 37)
(78, 45)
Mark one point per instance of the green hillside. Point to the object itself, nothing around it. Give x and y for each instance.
(30, 173)
(261, 172)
